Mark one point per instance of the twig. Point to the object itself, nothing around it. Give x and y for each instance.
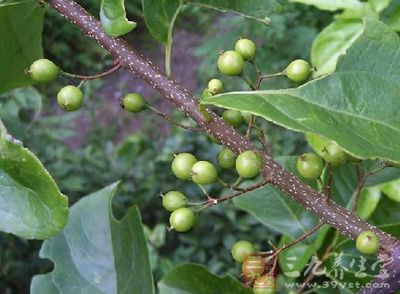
(250, 126)
(298, 240)
(116, 67)
(233, 195)
(361, 182)
(174, 122)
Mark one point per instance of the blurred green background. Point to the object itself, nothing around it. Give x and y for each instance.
(100, 144)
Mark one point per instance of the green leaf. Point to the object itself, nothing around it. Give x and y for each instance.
(331, 5)
(19, 109)
(195, 279)
(21, 25)
(387, 216)
(31, 205)
(394, 19)
(296, 258)
(357, 106)
(392, 190)
(379, 5)
(268, 205)
(95, 253)
(113, 18)
(368, 202)
(333, 42)
(255, 9)
(160, 17)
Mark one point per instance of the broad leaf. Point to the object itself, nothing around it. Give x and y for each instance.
(268, 205)
(357, 106)
(95, 253)
(379, 5)
(255, 9)
(333, 42)
(196, 279)
(160, 15)
(19, 109)
(21, 25)
(387, 216)
(392, 190)
(113, 18)
(331, 5)
(394, 19)
(31, 205)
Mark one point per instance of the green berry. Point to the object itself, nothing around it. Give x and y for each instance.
(253, 267)
(70, 98)
(204, 172)
(266, 284)
(368, 242)
(173, 200)
(182, 165)
(182, 219)
(246, 48)
(333, 154)
(226, 158)
(233, 118)
(310, 166)
(241, 250)
(230, 63)
(215, 86)
(298, 71)
(43, 70)
(133, 102)
(248, 164)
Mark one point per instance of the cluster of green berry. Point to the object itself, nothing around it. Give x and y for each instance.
(310, 165)
(255, 270)
(231, 62)
(186, 166)
(70, 98)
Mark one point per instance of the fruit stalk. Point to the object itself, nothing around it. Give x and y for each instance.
(329, 212)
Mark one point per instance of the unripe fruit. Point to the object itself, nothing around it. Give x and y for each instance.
(253, 267)
(182, 219)
(368, 242)
(215, 86)
(248, 164)
(298, 71)
(230, 63)
(241, 250)
(43, 70)
(246, 48)
(226, 158)
(266, 284)
(70, 98)
(204, 172)
(182, 165)
(310, 166)
(133, 102)
(173, 200)
(233, 118)
(333, 154)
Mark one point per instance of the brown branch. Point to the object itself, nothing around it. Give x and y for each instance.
(329, 212)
